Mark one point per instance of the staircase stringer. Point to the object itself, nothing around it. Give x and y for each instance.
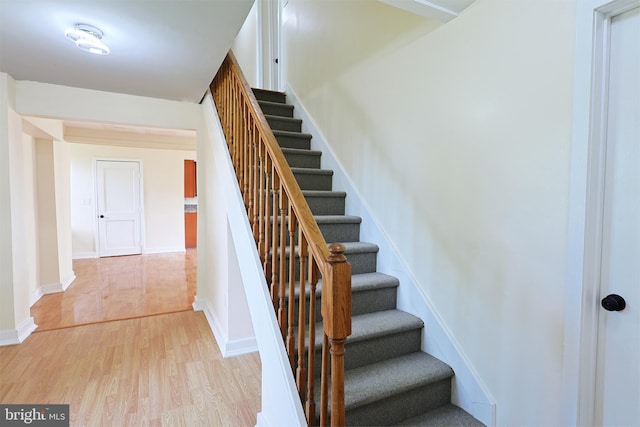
(468, 391)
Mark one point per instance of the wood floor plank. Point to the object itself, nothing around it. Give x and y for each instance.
(159, 370)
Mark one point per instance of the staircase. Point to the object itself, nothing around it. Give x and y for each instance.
(388, 379)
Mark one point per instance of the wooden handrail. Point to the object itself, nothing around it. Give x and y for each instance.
(291, 247)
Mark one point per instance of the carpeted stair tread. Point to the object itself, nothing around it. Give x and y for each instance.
(301, 151)
(312, 171)
(269, 95)
(276, 108)
(380, 323)
(284, 123)
(380, 380)
(448, 415)
(323, 193)
(292, 139)
(375, 325)
(359, 247)
(277, 132)
(337, 219)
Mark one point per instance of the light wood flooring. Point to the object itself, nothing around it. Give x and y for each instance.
(120, 288)
(149, 369)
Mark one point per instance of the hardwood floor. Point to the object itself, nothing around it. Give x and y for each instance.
(123, 347)
(120, 288)
(148, 371)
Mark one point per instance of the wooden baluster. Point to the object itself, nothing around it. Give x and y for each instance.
(291, 342)
(241, 146)
(282, 309)
(336, 315)
(324, 382)
(257, 181)
(249, 168)
(301, 373)
(266, 266)
(275, 190)
(261, 199)
(310, 405)
(239, 149)
(247, 162)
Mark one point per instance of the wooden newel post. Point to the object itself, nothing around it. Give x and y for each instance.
(336, 315)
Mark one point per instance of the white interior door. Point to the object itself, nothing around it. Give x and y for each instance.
(119, 207)
(275, 43)
(618, 356)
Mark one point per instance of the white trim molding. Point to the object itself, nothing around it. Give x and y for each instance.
(18, 335)
(84, 255)
(228, 348)
(165, 250)
(440, 10)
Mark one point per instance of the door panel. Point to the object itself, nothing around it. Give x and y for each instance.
(618, 358)
(119, 207)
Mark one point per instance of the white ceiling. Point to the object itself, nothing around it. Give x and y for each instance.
(167, 49)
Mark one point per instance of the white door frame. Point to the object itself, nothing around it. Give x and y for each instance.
(586, 191)
(96, 231)
(269, 44)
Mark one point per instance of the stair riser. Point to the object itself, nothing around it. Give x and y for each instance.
(312, 181)
(293, 141)
(326, 205)
(265, 95)
(363, 302)
(278, 123)
(338, 232)
(374, 350)
(364, 262)
(296, 160)
(398, 407)
(283, 110)
(361, 262)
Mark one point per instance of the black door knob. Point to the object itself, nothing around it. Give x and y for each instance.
(613, 302)
(101, 216)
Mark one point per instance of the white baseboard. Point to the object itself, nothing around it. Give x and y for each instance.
(227, 348)
(18, 335)
(261, 421)
(51, 288)
(469, 391)
(84, 255)
(68, 281)
(148, 251)
(35, 296)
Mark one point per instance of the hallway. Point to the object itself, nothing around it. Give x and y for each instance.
(123, 347)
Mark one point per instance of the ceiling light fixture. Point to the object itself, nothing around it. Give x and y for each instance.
(87, 38)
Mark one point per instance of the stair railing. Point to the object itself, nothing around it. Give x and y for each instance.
(291, 247)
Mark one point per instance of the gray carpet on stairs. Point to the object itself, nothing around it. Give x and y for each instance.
(388, 379)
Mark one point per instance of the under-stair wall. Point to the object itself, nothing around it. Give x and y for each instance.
(468, 391)
(280, 401)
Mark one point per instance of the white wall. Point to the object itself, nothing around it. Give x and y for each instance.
(47, 214)
(245, 47)
(163, 195)
(17, 245)
(457, 137)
